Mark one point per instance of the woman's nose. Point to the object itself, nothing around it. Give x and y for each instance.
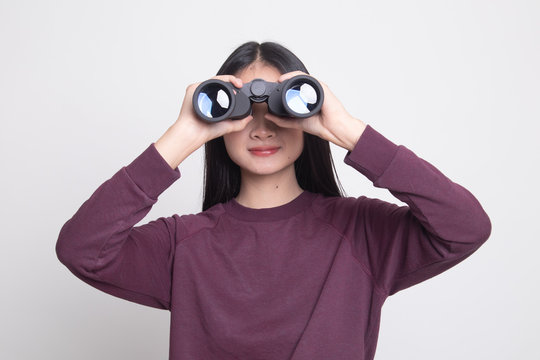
(262, 128)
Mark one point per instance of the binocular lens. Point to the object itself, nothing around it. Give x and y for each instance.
(301, 98)
(213, 101)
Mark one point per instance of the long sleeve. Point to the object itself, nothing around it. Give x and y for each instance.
(101, 246)
(442, 224)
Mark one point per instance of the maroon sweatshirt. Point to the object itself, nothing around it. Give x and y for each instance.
(301, 281)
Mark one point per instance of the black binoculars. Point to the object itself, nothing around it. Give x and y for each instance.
(216, 100)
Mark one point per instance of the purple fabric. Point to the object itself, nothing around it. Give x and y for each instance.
(305, 280)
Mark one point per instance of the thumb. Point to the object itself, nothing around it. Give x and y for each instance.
(289, 123)
(229, 126)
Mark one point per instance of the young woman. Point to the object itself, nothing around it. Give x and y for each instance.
(278, 265)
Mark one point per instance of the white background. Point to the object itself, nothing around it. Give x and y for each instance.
(86, 86)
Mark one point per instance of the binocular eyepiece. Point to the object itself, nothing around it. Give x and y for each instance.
(216, 100)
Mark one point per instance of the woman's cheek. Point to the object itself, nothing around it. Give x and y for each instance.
(232, 147)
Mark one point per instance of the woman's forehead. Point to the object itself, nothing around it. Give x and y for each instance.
(259, 70)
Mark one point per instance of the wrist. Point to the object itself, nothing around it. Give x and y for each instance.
(354, 130)
(176, 144)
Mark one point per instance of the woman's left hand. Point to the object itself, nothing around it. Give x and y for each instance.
(332, 123)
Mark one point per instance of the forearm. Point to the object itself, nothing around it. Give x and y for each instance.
(177, 143)
(103, 221)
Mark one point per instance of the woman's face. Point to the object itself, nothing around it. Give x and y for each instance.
(262, 147)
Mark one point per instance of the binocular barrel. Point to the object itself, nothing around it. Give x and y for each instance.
(216, 100)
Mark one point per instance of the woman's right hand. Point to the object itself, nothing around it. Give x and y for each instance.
(189, 132)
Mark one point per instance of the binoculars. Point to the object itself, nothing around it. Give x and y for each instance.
(216, 100)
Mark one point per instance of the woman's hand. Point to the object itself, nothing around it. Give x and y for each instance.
(189, 132)
(332, 123)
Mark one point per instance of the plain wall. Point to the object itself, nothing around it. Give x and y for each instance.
(86, 86)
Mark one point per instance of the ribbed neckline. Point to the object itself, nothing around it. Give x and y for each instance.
(298, 204)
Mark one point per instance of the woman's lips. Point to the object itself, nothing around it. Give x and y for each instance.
(263, 150)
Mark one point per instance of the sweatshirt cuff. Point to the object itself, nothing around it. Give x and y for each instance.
(151, 172)
(372, 154)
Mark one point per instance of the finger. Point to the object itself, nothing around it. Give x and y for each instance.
(230, 78)
(291, 74)
(228, 126)
(190, 89)
(289, 123)
(238, 125)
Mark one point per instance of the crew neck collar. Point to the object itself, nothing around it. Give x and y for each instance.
(298, 204)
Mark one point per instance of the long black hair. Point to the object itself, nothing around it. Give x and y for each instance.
(314, 167)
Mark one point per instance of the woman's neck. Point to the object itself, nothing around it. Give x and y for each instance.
(266, 191)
